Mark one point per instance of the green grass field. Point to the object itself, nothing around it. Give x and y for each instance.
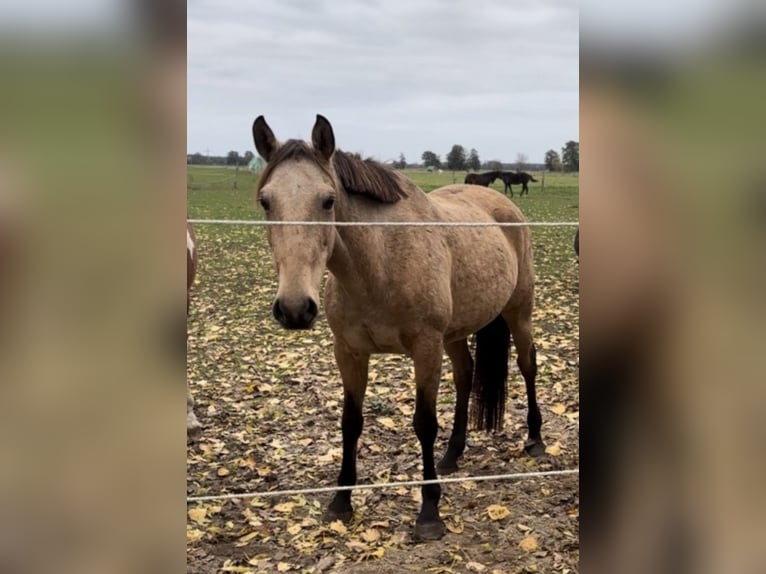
(223, 193)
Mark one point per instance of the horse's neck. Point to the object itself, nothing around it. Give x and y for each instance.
(359, 255)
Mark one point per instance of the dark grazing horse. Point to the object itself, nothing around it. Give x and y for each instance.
(509, 178)
(486, 179)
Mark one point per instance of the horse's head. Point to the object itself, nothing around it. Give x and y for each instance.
(298, 184)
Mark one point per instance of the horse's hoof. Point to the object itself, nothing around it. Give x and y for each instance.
(429, 530)
(446, 466)
(534, 447)
(331, 515)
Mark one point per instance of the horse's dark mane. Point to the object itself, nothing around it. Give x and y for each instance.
(356, 175)
(368, 177)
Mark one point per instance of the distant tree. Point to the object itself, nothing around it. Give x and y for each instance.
(196, 159)
(494, 165)
(248, 157)
(400, 163)
(430, 159)
(456, 158)
(521, 162)
(552, 160)
(232, 158)
(474, 162)
(570, 156)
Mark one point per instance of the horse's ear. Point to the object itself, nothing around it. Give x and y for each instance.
(264, 139)
(322, 137)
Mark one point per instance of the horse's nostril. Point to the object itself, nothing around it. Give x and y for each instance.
(311, 308)
(279, 313)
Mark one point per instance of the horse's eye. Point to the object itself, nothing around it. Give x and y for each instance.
(265, 204)
(328, 203)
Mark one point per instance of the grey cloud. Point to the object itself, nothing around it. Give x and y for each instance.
(391, 76)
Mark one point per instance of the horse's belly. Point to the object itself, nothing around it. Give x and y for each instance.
(482, 285)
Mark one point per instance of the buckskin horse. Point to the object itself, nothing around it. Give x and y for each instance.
(193, 427)
(404, 290)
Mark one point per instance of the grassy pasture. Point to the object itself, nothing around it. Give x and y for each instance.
(270, 403)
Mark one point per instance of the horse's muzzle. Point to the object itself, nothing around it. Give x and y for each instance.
(296, 316)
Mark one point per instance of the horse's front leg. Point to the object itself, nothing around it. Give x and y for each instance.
(193, 426)
(427, 356)
(353, 370)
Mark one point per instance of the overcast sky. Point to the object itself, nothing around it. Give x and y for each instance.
(392, 76)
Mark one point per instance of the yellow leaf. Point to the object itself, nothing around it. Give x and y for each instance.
(455, 527)
(339, 527)
(387, 422)
(294, 529)
(198, 515)
(263, 471)
(378, 553)
(529, 544)
(497, 512)
(558, 409)
(193, 535)
(284, 507)
(247, 538)
(370, 535)
(283, 566)
(554, 449)
(475, 567)
(223, 471)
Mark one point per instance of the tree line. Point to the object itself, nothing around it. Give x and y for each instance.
(231, 158)
(459, 160)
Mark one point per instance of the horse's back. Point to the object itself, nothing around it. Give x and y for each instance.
(481, 203)
(491, 265)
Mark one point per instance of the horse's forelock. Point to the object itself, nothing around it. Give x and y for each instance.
(354, 174)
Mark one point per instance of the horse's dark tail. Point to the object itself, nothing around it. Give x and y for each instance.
(490, 375)
(532, 179)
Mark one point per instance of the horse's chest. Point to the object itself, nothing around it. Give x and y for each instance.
(367, 338)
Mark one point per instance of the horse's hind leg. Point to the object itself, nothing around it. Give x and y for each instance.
(353, 370)
(520, 323)
(462, 368)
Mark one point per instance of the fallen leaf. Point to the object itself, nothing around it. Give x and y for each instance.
(338, 526)
(387, 422)
(528, 544)
(284, 507)
(558, 409)
(475, 566)
(198, 515)
(455, 527)
(294, 529)
(497, 512)
(283, 566)
(370, 535)
(223, 471)
(554, 449)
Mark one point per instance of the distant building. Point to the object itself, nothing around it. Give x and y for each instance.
(256, 164)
